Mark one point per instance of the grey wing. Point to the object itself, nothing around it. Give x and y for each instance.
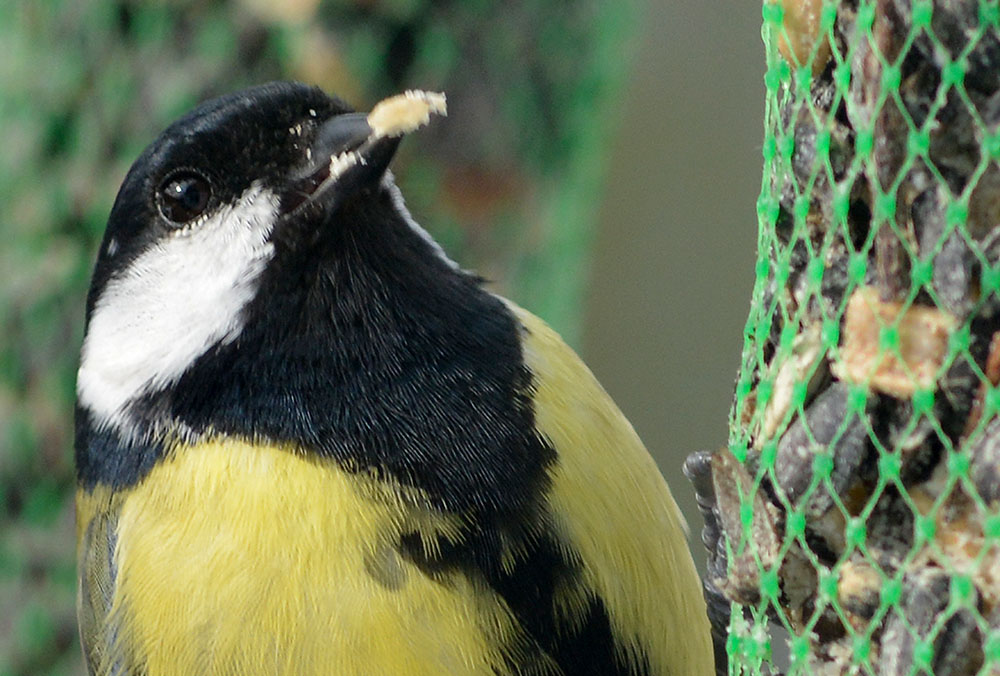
(103, 650)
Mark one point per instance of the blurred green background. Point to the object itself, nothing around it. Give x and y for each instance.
(600, 163)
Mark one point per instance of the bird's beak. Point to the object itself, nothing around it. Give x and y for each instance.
(352, 151)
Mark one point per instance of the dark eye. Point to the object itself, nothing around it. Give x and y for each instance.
(183, 196)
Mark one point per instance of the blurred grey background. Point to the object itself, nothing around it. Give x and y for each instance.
(673, 263)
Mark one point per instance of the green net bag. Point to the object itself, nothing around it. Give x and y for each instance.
(858, 496)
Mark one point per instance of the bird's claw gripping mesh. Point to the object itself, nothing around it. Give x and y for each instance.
(860, 492)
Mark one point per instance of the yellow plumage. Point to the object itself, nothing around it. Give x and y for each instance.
(216, 519)
(612, 503)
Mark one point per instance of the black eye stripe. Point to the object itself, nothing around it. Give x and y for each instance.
(183, 196)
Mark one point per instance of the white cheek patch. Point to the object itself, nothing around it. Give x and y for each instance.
(176, 300)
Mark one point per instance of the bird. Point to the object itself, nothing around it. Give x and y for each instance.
(309, 442)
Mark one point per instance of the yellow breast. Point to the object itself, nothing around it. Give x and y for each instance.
(237, 559)
(234, 558)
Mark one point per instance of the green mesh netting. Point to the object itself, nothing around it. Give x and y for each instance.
(860, 489)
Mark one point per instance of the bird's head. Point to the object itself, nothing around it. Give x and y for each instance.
(243, 180)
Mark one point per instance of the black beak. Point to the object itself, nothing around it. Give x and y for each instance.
(346, 146)
(341, 133)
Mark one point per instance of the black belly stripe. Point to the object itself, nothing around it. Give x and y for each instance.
(579, 646)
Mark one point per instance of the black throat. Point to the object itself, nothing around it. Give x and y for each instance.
(368, 348)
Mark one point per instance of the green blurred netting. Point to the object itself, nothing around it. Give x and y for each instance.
(508, 183)
(861, 486)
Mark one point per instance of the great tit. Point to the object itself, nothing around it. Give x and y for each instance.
(307, 442)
